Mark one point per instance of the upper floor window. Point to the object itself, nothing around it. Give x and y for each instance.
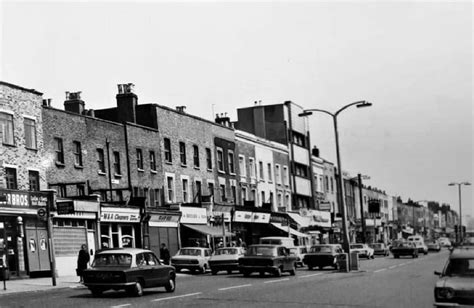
(10, 178)
(100, 160)
(167, 148)
(185, 190)
(277, 174)
(182, 153)
(80, 190)
(270, 175)
(299, 139)
(170, 188)
(260, 171)
(301, 170)
(152, 161)
(209, 158)
(196, 156)
(139, 159)
(117, 163)
(77, 153)
(220, 159)
(285, 176)
(242, 170)
(231, 162)
(33, 178)
(30, 133)
(252, 167)
(222, 189)
(59, 149)
(326, 183)
(332, 185)
(6, 128)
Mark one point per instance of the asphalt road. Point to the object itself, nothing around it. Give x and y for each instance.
(382, 282)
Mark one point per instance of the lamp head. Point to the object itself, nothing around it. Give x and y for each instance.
(466, 183)
(363, 104)
(452, 184)
(305, 113)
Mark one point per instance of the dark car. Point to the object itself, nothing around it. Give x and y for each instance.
(380, 249)
(405, 249)
(323, 255)
(273, 259)
(129, 269)
(455, 286)
(226, 259)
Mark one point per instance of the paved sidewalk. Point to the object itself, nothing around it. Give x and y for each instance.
(38, 284)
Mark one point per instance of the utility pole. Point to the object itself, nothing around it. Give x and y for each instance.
(361, 201)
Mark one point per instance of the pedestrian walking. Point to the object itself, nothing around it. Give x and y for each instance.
(82, 262)
(165, 254)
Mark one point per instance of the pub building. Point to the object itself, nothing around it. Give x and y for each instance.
(23, 231)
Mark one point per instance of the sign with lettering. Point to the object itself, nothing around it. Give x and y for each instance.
(193, 215)
(24, 199)
(246, 216)
(319, 218)
(65, 208)
(120, 215)
(163, 220)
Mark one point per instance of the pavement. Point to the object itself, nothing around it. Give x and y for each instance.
(38, 284)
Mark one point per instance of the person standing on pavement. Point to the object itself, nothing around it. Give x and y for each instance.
(82, 262)
(165, 254)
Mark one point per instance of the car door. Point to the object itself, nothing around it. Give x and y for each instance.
(158, 271)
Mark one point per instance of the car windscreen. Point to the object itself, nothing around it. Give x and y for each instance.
(189, 252)
(226, 251)
(460, 267)
(261, 251)
(376, 246)
(112, 259)
(357, 246)
(322, 249)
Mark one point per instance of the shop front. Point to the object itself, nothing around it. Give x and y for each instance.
(23, 233)
(286, 224)
(250, 226)
(74, 224)
(119, 227)
(320, 227)
(163, 229)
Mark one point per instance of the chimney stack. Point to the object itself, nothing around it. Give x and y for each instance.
(180, 108)
(126, 103)
(315, 151)
(223, 119)
(73, 102)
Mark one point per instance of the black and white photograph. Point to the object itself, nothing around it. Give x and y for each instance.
(204, 153)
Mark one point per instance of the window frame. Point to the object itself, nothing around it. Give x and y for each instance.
(77, 151)
(100, 160)
(152, 160)
(59, 149)
(139, 159)
(116, 163)
(167, 150)
(33, 180)
(230, 161)
(11, 179)
(7, 127)
(196, 162)
(33, 143)
(182, 153)
(220, 159)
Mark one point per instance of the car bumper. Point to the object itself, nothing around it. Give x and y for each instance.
(109, 285)
(438, 304)
(187, 266)
(260, 268)
(224, 266)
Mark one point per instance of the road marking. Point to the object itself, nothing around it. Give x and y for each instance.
(235, 287)
(311, 275)
(279, 280)
(124, 305)
(401, 264)
(393, 266)
(379, 270)
(173, 297)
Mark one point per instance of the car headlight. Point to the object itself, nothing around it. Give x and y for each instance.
(447, 293)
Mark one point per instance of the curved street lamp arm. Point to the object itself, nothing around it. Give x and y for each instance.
(319, 110)
(347, 106)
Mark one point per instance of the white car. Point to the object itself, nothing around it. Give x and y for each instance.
(363, 250)
(192, 258)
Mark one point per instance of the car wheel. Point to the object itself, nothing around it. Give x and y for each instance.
(137, 289)
(368, 257)
(320, 267)
(213, 272)
(396, 256)
(426, 252)
(372, 256)
(277, 272)
(246, 273)
(177, 269)
(414, 256)
(310, 267)
(96, 291)
(229, 272)
(293, 270)
(171, 285)
(262, 273)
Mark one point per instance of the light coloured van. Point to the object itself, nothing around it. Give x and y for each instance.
(416, 238)
(288, 242)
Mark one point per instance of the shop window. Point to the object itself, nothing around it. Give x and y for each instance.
(33, 178)
(30, 133)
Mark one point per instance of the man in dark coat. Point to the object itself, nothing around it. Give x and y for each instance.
(82, 262)
(165, 254)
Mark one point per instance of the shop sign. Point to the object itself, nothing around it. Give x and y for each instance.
(120, 215)
(163, 220)
(320, 218)
(278, 219)
(14, 198)
(193, 215)
(245, 216)
(217, 216)
(263, 218)
(65, 208)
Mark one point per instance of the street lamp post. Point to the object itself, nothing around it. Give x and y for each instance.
(460, 208)
(307, 112)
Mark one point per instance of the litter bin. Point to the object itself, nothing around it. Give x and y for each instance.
(354, 261)
(343, 263)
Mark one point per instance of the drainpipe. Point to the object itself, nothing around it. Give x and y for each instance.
(107, 143)
(127, 152)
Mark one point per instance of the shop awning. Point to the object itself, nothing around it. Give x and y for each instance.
(300, 220)
(292, 231)
(208, 230)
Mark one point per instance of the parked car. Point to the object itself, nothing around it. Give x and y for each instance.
(455, 286)
(226, 259)
(422, 248)
(129, 269)
(444, 242)
(433, 246)
(405, 249)
(192, 258)
(288, 242)
(299, 252)
(323, 255)
(380, 249)
(363, 250)
(273, 259)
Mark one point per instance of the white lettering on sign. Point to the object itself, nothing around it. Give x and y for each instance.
(17, 199)
(119, 217)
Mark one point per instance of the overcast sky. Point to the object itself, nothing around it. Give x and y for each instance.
(412, 60)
